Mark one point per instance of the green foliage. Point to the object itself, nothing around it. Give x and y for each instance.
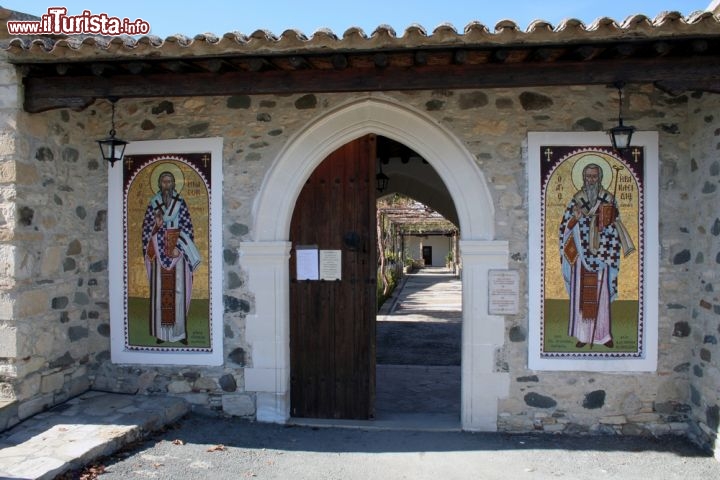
(393, 276)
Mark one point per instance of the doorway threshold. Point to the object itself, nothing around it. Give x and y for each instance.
(420, 422)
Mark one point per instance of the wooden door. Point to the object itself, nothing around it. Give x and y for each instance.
(332, 323)
(427, 255)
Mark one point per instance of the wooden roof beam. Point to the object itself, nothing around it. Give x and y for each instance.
(42, 93)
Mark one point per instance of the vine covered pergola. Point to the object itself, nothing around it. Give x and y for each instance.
(398, 216)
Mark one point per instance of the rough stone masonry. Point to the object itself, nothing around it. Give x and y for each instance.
(54, 317)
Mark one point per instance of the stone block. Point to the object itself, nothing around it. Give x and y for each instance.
(29, 365)
(32, 302)
(643, 418)
(9, 96)
(179, 386)
(198, 399)
(50, 261)
(8, 75)
(553, 428)
(8, 340)
(52, 383)
(7, 168)
(634, 430)
(238, 405)
(614, 420)
(174, 408)
(678, 427)
(8, 414)
(78, 386)
(205, 384)
(7, 307)
(33, 406)
(7, 392)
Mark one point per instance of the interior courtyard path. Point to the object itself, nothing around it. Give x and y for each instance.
(419, 331)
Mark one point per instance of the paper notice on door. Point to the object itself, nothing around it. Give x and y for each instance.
(330, 265)
(306, 259)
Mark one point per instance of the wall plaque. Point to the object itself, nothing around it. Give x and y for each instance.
(504, 286)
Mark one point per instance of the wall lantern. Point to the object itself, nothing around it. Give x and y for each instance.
(382, 180)
(621, 135)
(112, 148)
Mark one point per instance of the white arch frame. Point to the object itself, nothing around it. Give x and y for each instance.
(265, 259)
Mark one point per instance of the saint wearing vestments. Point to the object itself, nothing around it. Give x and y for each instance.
(591, 238)
(171, 257)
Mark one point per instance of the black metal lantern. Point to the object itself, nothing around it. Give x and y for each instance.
(621, 135)
(112, 148)
(381, 180)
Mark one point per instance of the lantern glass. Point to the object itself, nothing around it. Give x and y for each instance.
(112, 149)
(621, 136)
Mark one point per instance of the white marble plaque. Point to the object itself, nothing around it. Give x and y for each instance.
(504, 295)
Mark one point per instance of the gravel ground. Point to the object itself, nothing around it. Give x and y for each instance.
(200, 447)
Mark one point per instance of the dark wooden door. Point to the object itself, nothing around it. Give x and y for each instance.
(427, 255)
(332, 323)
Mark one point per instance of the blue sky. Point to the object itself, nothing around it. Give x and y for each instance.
(221, 16)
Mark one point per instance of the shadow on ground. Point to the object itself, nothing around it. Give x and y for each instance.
(244, 434)
(418, 343)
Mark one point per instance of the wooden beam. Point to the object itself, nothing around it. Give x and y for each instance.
(588, 52)
(339, 61)
(298, 62)
(43, 93)
(136, 67)
(381, 60)
(258, 64)
(700, 46)
(679, 86)
(460, 57)
(662, 48)
(98, 68)
(549, 54)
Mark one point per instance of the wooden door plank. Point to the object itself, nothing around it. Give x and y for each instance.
(333, 323)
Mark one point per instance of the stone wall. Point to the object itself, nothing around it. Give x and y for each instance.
(60, 288)
(700, 328)
(9, 102)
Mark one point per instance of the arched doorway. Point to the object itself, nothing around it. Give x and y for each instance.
(265, 258)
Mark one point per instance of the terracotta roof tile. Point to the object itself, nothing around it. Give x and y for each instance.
(263, 42)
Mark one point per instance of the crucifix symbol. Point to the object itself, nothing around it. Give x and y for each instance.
(548, 153)
(636, 154)
(205, 159)
(129, 162)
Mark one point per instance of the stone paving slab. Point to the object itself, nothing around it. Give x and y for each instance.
(75, 433)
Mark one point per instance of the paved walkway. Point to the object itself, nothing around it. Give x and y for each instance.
(81, 430)
(419, 333)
